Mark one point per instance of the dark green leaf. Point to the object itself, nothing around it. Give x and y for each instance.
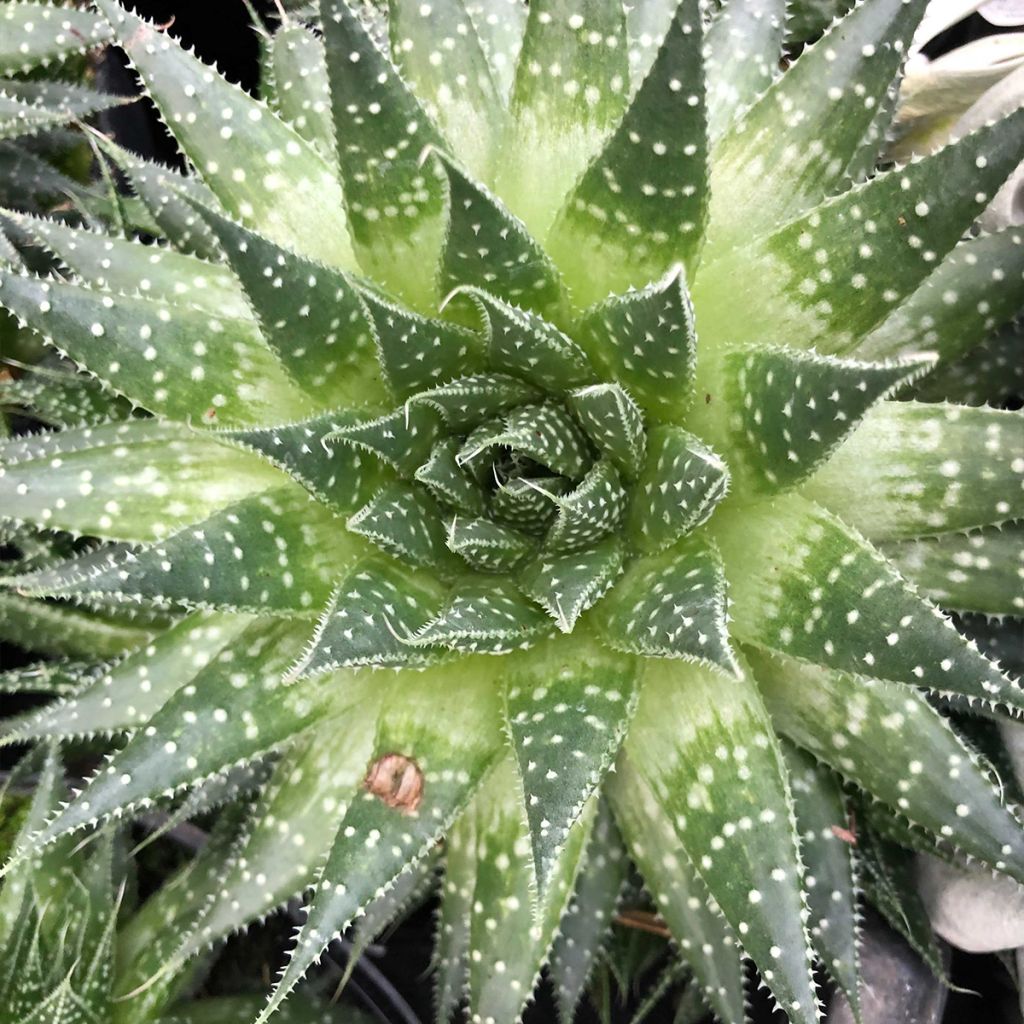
(681, 483)
(645, 340)
(566, 585)
(395, 204)
(704, 744)
(896, 746)
(371, 607)
(793, 409)
(640, 205)
(804, 584)
(672, 605)
(568, 703)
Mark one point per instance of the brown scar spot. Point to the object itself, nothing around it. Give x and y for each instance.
(397, 780)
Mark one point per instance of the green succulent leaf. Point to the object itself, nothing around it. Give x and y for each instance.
(979, 286)
(123, 695)
(499, 25)
(36, 34)
(453, 921)
(672, 605)
(444, 721)
(567, 707)
(835, 273)
(192, 737)
(53, 678)
(795, 408)
(645, 340)
(587, 920)
(270, 862)
(980, 571)
(301, 93)
(131, 481)
(508, 936)
(167, 196)
(792, 171)
(488, 546)
(30, 107)
(381, 129)
(992, 373)
(339, 475)
(913, 469)
(287, 190)
(485, 615)
(403, 438)
(127, 267)
(590, 512)
(277, 551)
(566, 585)
(640, 205)
(613, 422)
(546, 433)
(415, 352)
(892, 743)
(442, 475)
(891, 882)
(829, 858)
(488, 247)
(681, 483)
(741, 57)
(437, 48)
(466, 402)
(65, 630)
(310, 314)
(527, 346)
(525, 502)
(406, 522)
(557, 130)
(378, 602)
(139, 346)
(706, 940)
(872, 622)
(712, 762)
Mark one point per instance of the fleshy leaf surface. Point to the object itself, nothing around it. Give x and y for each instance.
(696, 923)
(139, 346)
(640, 205)
(830, 861)
(567, 707)
(445, 721)
(704, 745)
(33, 34)
(678, 488)
(395, 204)
(645, 340)
(981, 571)
(892, 743)
(135, 481)
(369, 606)
(297, 202)
(566, 585)
(795, 408)
(278, 551)
(672, 605)
(871, 622)
(792, 170)
(488, 247)
(913, 469)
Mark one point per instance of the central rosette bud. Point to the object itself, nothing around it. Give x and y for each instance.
(531, 473)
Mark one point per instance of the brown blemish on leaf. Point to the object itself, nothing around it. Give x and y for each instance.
(397, 780)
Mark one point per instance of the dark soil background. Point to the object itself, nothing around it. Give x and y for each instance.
(221, 33)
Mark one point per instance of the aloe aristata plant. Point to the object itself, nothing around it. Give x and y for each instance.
(529, 456)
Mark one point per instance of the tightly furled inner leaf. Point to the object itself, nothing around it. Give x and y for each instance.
(473, 381)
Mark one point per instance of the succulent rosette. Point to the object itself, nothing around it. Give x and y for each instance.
(523, 451)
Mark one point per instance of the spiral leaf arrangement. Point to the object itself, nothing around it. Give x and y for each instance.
(559, 360)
